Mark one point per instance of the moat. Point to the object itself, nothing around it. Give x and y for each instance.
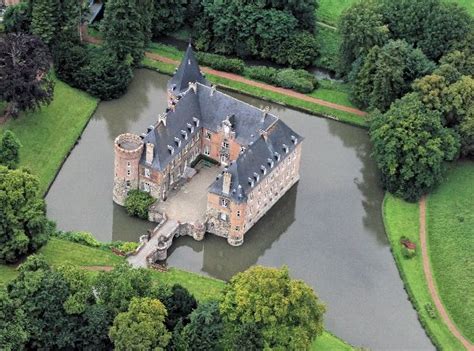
(327, 229)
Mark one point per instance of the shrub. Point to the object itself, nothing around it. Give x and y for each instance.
(68, 59)
(408, 253)
(137, 203)
(17, 18)
(9, 149)
(83, 238)
(262, 73)
(299, 80)
(221, 63)
(299, 50)
(430, 310)
(126, 246)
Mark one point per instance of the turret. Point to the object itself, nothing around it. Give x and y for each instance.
(128, 151)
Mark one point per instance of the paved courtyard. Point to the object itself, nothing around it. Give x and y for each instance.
(188, 203)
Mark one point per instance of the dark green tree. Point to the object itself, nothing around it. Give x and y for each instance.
(69, 20)
(205, 329)
(116, 288)
(179, 303)
(168, 16)
(299, 51)
(13, 335)
(9, 149)
(410, 147)
(123, 30)
(245, 336)
(93, 328)
(361, 27)
(387, 74)
(286, 312)
(44, 19)
(23, 223)
(141, 327)
(25, 82)
(17, 18)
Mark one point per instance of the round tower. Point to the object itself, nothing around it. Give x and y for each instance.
(128, 149)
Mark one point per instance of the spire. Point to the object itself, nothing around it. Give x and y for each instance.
(187, 72)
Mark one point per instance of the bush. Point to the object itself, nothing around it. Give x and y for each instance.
(408, 253)
(262, 73)
(137, 203)
(17, 18)
(68, 59)
(221, 63)
(83, 238)
(299, 80)
(126, 247)
(430, 310)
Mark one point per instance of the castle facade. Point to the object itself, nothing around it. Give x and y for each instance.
(259, 154)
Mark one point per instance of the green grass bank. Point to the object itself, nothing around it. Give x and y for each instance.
(47, 135)
(450, 233)
(402, 219)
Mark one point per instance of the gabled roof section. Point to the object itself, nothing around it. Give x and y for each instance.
(187, 72)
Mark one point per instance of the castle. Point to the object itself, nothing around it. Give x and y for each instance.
(259, 154)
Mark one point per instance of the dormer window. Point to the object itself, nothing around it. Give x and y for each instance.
(294, 139)
(196, 122)
(184, 134)
(276, 156)
(225, 144)
(251, 182)
(256, 176)
(171, 149)
(263, 169)
(177, 141)
(242, 149)
(190, 127)
(286, 148)
(270, 162)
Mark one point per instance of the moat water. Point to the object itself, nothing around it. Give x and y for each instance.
(327, 229)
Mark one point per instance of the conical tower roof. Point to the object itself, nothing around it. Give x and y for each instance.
(188, 71)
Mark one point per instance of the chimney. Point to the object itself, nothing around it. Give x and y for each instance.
(265, 111)
(149, 153)
(226, 182)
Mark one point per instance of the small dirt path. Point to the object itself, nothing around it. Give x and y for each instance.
(253, 83)
(431, 284)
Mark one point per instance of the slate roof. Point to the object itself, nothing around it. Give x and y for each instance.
(258, 160)
(187, 72)
(204, 107)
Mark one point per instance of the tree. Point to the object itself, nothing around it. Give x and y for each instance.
(13, 335)
(387, 73)
(168, 16)
(179, 304)
(462, 61)
(141, 327)
(204, 332)
(361, 27)
(287, 312)
(410, 146)
(9, 149)
(17, 18)
(23, 223)
(123, 30)
(94, 327)
(138, 202)
(116, 288)
(25, 83)
(69, 20)
(299, 50)
(44, 19)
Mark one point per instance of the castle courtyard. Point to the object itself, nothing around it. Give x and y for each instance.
(188, 202)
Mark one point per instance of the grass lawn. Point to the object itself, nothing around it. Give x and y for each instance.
(450, 225)
(48, 134)
(329, 11)
(468, 4)
(329, 41)
(402, 219)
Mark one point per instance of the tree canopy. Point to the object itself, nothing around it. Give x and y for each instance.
(25, 82)
(410, 146)
(141, 327)
(286, 312)
(9, 149)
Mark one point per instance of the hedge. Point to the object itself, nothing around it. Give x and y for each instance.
(296, 79)
(221, 63)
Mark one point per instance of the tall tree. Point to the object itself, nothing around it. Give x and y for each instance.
(387, 73)
(69, 20)
(410, 147)
(123, 29)
(9, 149)
(24, 80)
(179, 304)
(141, 327)
(23, 223)
(169, 16)
(287, 312)
(44, 19)
(17, 18)
(361, 27)
(13, 335)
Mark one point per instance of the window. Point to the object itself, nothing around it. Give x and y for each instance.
(129, 172)
(129, 164)
(196, 121)
(238, 213)
(146, 187)
(206, 150)
(225, 144)
(127, 184)
(224, 202)
(223, 216)
(147, 172)
(208, 135)
(237, 228)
